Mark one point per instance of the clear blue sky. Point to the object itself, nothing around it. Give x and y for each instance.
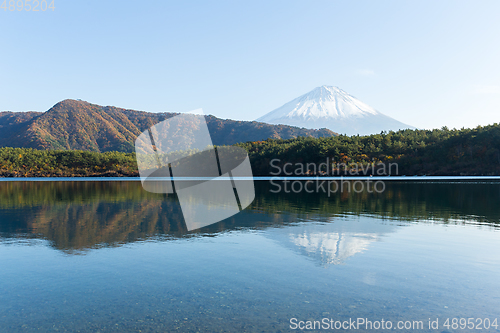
(425, 63)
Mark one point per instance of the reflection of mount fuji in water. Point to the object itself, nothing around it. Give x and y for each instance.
(333, 242)
(76, 216)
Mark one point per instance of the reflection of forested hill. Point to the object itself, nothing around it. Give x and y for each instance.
(80, 226)
(81, 215)
(400, 200)
(86, 225)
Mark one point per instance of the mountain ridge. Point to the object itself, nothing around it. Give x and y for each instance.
(74, 124)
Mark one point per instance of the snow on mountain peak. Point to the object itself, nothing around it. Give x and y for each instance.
(322, 102)
(331, 107)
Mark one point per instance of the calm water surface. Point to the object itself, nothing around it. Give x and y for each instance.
(109, 257)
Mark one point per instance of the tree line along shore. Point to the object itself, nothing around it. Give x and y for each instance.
(416, 152)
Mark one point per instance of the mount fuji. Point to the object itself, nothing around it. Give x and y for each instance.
(332, 108)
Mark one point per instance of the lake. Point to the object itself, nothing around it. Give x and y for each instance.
(106, 256)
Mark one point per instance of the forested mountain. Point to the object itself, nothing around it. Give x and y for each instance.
(75, 124)
(416, 152)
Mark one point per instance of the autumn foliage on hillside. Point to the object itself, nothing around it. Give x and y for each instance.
(76, 138)
(416, 152)
(27, 162)
(78, 125)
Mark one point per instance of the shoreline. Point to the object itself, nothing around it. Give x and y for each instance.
(262, 178)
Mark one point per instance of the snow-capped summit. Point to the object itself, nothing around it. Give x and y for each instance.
(332, 108)
(322, 102)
